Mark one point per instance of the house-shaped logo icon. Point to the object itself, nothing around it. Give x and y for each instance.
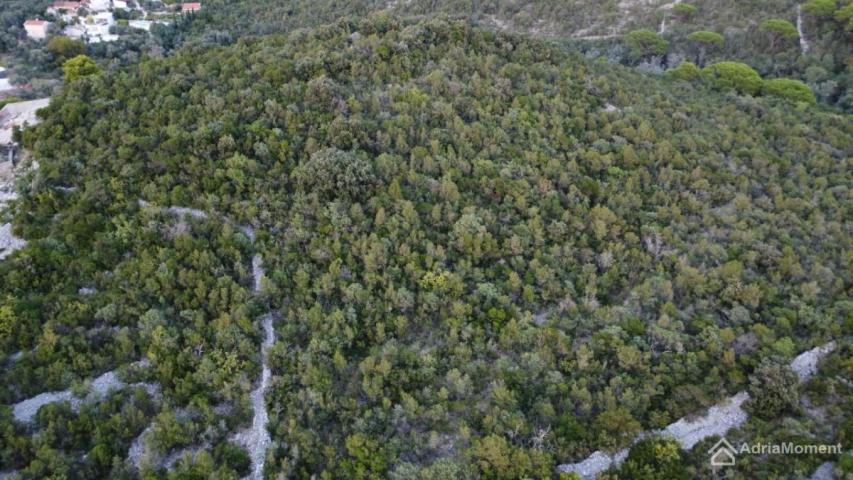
(722, 454)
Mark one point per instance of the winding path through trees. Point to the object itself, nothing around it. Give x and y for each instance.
(25, 411)
(257, 438)
(720, 419)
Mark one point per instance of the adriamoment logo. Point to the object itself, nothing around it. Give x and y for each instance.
(723, 454)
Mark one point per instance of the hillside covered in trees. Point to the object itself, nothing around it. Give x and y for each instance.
(485, 256)
(810, 41)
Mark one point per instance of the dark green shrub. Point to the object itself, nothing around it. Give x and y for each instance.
(655, 458)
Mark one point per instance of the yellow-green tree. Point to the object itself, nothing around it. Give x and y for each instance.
(79, 67)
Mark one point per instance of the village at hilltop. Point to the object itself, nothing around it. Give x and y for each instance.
(95, 21)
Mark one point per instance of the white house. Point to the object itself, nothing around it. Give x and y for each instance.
(36, 29)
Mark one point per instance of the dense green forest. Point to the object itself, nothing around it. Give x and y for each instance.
(601, 29)
(763, 34)
(486, 256)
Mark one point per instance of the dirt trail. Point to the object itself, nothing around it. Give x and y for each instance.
(256, 438)
(668, 6)
(688, 432)
(804, 43)
(9, 243)
(26, 410)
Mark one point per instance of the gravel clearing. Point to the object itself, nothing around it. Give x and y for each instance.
(719, 420)
(257, 438)
(26, 410)
(139, 449)
(689, 431)
(178, 211)
(247, 231)
(805, 365)
(199, 214)
(9, 243)
(591, 467)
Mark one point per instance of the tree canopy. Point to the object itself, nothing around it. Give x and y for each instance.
(779, 30)
(645, 42)
(788, 89)
(79, 67)
(820, 8)
(734, 75)
(707, 38)
(484, 255)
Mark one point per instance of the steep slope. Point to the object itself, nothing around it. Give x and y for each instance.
(489, 256)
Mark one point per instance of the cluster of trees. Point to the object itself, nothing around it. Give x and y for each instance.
(99, 435)
(646, 44)
(774, 48)
(480, 270)
(742, 78)
(12, 18)
(124, 284)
